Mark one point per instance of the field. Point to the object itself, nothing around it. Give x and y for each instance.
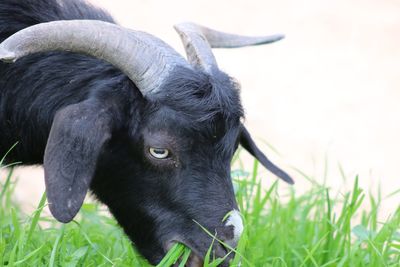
(316, 228)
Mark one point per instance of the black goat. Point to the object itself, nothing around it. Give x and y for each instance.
(120, 112)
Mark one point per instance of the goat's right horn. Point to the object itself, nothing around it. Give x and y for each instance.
(145, 59)
(198, 41)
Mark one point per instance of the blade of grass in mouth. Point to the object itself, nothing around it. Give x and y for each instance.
(178, 251)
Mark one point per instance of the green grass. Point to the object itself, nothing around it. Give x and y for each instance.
(281, 229)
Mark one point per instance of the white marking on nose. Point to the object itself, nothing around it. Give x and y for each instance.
(69, 203)
(236, 221)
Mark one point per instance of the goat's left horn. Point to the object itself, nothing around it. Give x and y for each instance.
(198, 41)
(145, 59)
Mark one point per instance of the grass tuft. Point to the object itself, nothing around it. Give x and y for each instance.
(281, 229)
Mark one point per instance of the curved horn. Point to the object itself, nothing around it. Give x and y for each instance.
(145, 59)
(198, 41)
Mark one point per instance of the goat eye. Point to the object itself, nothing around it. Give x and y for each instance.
(159, 153)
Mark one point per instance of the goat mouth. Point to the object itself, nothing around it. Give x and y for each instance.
(194, 259)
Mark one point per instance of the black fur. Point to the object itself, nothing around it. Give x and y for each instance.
(91, 127)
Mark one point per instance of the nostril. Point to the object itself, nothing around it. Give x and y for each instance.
(235, 221)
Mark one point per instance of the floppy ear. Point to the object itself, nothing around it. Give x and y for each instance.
(76, 138)
(247, 143)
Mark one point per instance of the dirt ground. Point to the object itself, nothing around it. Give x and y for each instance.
(329, 92)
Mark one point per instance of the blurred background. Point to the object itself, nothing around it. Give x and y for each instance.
(326, 97)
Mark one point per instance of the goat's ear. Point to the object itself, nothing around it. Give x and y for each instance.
(247, 143)
(76, 138)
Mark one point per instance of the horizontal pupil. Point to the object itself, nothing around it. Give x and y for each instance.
(159, 151)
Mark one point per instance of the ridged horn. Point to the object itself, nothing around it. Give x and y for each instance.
(145, 59)
(198, 41)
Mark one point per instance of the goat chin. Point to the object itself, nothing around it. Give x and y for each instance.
(194, 261)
